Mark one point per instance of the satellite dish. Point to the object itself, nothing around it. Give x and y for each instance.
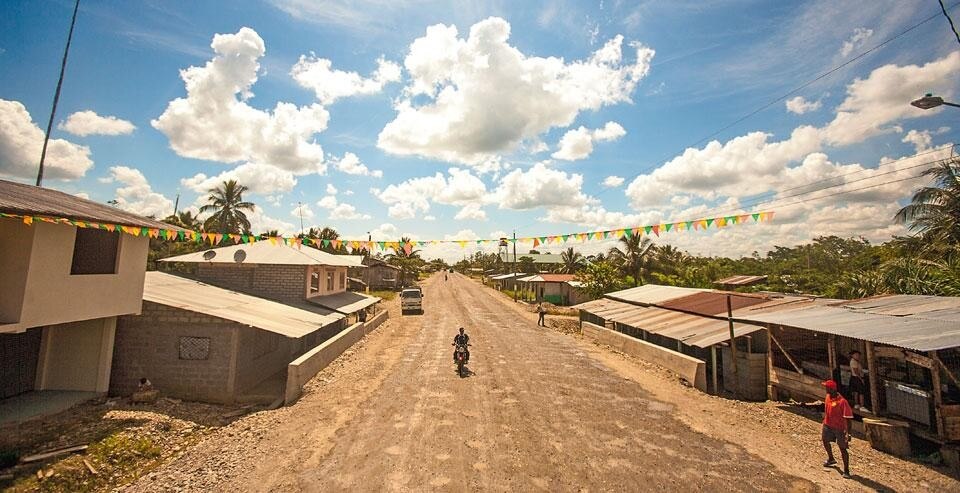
(209, 254)
(239, 256)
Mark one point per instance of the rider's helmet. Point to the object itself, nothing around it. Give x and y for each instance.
(461, 330)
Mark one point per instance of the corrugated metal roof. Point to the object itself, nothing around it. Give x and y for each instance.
(712, 302)
(345, 302)
(741, 280)
(508, 276)
(179, 292)
(549, 278)
(538, 258)
(651, 294)
(921, 334)
(693, 330)
(19, 198)
(939, 307)
(265, 252)
(575, 284)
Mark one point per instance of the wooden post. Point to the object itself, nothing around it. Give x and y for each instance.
(937, 396)
(832, 354)
(874, 379)
(771, 393)
(713, 354)
(733, 349)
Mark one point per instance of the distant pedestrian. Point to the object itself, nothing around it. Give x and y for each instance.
(857, 385)
(836, 426)
(541, 312)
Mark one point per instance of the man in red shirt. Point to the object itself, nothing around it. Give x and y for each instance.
(836, 426)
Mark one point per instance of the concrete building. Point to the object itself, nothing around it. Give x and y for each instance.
(63, 288)
(200, 342)
(559, 289)
(297, 275)
(544, 262)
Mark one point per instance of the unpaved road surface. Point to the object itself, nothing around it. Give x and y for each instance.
(537, 413)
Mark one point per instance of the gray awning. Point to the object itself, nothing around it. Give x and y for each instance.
(346, 302)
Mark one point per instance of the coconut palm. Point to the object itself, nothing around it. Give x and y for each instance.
(406, 258)
(633, 258)
(184, 219)
(572, 261)
(226, 203)
(934, 211)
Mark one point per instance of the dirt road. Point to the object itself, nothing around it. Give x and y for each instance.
(538, 413)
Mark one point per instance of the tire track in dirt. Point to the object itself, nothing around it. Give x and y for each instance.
(537, 414)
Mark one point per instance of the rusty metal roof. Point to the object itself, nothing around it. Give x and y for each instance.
(906, 331)
(936, 307)
(279, 318)
(28, 200)
(741, 280)
(651, 294)
(712, 302)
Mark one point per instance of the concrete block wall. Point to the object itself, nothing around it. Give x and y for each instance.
(689, 368)
(271, 281)
(260, 355)
(302, 369)
(148, 346)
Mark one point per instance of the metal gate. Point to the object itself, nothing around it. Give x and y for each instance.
(19, 354)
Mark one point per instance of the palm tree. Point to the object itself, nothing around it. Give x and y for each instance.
(226, 203)
(184, 219)
(633, 258)
(669, 258)
(934, 211)
(572, 261)
(407, 260)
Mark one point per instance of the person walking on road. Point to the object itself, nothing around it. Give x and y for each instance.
(836, 426)
(541, 312)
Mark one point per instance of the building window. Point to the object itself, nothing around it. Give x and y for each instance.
(330, 281)
(343, 280)
(194, 348)
(95, 252)
(314, 282)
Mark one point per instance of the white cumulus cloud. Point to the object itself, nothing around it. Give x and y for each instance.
(413, 196)
(800, 105)
(330, 84)
(472, 99)
(613, 181)
(214, 121)
(540, 186)
(351, 165)
(21, 141)
(83, 123)
(259, 178)
(339, 210)
(578, 144)
(136, 195)
(860, 35)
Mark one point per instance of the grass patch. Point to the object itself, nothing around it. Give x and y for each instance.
(118, 459)
(385, 295)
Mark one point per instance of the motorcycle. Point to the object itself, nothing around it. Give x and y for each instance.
(460, 357)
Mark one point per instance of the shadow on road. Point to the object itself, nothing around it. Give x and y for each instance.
(467, 372)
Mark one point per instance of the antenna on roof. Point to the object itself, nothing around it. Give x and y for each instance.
(209, 254)
(239, 256)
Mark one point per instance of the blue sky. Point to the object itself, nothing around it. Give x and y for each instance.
(471, 119)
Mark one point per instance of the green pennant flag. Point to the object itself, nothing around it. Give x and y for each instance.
(647, 229)
(543, 239)
(731, 219)
(689, 225)
(325, 242)
(756, 216)
(709, 222)
(382, 245)
(565, 238)
(606, 234)
(144, 231)
(668, 226)
(628, 232)
(180, 235)
(244, 238)
(163, 234)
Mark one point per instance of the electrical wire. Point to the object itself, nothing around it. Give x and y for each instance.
(945, 14)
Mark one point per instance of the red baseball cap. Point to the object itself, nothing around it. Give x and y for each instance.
(829, 384)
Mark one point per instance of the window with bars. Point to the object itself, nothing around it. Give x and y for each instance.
(194, 348)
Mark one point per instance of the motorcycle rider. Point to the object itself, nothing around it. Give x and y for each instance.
(461, 339)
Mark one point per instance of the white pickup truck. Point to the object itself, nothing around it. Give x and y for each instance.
(411, 299)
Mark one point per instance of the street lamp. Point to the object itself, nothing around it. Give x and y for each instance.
(931, 101)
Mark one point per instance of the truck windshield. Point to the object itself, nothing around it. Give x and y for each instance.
(410, 294)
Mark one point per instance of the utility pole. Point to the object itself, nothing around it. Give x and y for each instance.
(300, 209)
(56, 95)
(514, 273)
(176, 205)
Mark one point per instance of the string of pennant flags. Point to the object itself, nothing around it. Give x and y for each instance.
(215, 239)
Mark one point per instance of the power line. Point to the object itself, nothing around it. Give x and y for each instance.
(945, 14)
